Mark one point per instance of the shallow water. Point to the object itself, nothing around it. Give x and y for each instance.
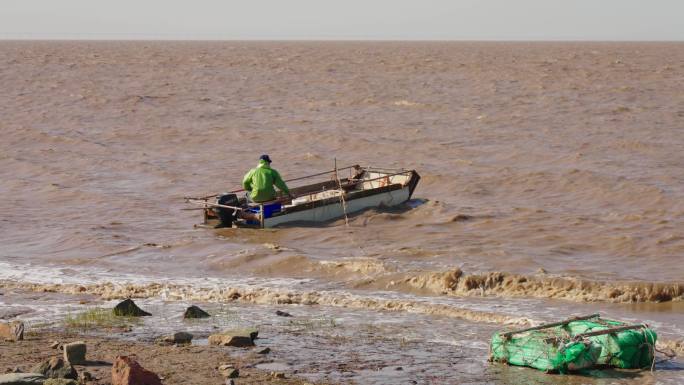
(556, 164)
(343, 345)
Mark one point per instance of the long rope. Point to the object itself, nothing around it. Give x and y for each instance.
(344, 209)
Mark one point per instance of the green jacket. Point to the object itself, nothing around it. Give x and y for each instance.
(259, 182)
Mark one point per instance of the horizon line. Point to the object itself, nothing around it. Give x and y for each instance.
(114, 36)
(108, 37)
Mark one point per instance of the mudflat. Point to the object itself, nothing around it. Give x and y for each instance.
(174, 364)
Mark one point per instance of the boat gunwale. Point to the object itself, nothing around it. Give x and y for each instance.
(336, 200)
(411, 184)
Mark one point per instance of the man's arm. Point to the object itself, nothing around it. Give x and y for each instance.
(247, 181)
(280, 183)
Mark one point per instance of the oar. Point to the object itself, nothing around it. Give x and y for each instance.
(209, 204)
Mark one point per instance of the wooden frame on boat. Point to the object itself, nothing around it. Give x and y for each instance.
(322, 201)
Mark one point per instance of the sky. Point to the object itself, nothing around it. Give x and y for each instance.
(344, 19)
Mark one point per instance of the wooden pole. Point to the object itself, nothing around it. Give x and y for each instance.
(508, 335)
(609, 331)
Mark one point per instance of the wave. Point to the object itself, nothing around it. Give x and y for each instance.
(265, 296)
(280, 296)
(455, 282)
(372, 273)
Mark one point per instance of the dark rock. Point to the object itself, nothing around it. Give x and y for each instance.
(283, 314)
(253, 333)
(56, 367)
(195, 312)
(54, 345)
(128, 308)
(264, 351)
(22, 379)
(75, 352)
(180, 338)
(127, 371)
(12, 331)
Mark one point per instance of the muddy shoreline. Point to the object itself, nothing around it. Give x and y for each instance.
(311, 344)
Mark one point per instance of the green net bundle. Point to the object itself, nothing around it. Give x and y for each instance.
(628, 349)
(548, 350)
(558, 348)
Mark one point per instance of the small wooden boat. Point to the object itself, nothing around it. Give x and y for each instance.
(332, 197)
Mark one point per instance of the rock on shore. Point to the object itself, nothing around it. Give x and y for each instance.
(127, 371)
(75, 352)
(12, 331)
(128, 308)
(237, 338)
(180, 338)
(195, 312)
(56, 368)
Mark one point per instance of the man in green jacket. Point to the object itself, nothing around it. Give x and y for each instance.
(259, 181)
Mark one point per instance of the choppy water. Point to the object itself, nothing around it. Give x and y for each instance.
(559, 166)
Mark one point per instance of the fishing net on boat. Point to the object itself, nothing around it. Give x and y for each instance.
(577, 344)
(550, 350)
(627, 349)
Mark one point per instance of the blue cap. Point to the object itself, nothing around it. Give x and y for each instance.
(265, 157)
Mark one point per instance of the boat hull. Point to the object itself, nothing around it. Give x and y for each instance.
(336, 210)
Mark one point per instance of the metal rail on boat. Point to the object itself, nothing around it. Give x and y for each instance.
(396, 171)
